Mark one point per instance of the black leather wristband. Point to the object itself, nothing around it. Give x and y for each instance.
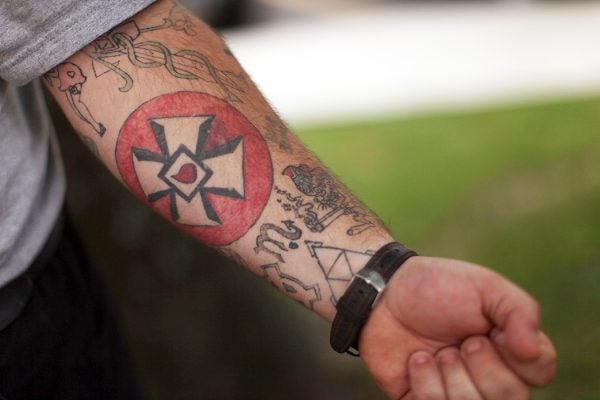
(355, 305)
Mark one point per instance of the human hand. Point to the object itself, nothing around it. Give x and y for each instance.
(434, 305)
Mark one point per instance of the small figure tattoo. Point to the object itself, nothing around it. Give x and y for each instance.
(70, 81)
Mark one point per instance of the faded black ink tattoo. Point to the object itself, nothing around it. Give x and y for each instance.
(69, 79)
(302, 209)
(277, 132)
(305, 294)
(291, 233)
(178, 19)
(126, 43)
(338, 265)
(327, 204)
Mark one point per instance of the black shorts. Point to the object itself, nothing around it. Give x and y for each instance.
(66, 343)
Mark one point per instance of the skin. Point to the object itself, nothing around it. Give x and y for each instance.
(70, 80)
(268, 203)
(411, 323)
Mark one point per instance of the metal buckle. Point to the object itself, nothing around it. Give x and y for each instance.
(373, 279)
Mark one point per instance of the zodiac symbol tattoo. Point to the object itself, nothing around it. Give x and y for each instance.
(292, 233)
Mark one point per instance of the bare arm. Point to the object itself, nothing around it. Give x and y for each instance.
(175, 118)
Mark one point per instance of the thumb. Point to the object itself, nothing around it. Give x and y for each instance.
(513, 312)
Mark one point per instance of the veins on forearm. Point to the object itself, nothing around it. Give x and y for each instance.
(126, 43)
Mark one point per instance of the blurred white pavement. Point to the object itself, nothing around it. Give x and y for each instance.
(400, 59)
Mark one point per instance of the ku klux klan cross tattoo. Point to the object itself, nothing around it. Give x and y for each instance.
(187, 172)
(197, 161)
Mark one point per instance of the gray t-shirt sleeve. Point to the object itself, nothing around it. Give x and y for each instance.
(36, 35)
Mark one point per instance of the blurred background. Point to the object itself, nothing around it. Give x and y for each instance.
(472, 129)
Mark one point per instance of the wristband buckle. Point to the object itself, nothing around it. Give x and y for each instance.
(373, 279)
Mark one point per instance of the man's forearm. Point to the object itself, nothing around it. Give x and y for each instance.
(165, 105)
(167, 108)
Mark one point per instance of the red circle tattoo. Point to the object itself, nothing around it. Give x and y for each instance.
(198, 162)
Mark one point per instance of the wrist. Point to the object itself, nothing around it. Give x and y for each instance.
(368, 284)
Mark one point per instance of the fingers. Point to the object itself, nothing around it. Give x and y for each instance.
(492, 377)
(457, 381)
(426, 381)
(538, 372)
(476, 372)
(513, 311)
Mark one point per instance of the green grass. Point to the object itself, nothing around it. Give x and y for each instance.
(515, 189)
